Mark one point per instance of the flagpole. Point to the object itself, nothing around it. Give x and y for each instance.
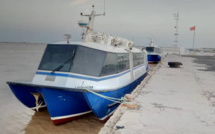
(194, 38)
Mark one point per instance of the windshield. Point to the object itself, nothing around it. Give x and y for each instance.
(150, 49)
(56, 55)
(72, 58)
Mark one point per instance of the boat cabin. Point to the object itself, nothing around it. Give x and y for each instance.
(85, 60)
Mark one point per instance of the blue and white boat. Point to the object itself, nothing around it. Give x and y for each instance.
(154, 53)
(76, 78)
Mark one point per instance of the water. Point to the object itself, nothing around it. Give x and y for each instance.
(19, 61)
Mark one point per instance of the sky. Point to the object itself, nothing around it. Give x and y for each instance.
(46, 21)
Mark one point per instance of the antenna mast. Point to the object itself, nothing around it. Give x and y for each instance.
(176, 17)
(104, 7)
(89, 26)
(151, 41)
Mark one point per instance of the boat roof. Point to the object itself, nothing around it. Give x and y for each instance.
(102, 47)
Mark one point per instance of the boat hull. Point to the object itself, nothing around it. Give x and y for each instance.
(63, 105)
(104, 108)
(153, 58)
(25, 95)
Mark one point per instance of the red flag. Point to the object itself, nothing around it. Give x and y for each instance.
(193, 28)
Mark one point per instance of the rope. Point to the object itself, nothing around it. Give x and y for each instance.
(122, 100)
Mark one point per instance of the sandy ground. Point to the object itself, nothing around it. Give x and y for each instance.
(174, 101)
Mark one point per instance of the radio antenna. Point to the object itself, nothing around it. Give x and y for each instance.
(104, 7)
(176, 17)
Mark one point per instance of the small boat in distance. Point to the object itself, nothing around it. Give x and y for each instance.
(76, 78)
(154, 53)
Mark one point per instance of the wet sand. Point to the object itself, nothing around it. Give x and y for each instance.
(41, 123)
(19, 61)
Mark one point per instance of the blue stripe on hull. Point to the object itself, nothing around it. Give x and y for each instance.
(99, 105)
(154, 58)
(85, 77)
(147, 67)
(24, 95)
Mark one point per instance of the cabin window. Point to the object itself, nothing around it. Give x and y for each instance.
(88, 61)
(110, 65)
(116, 63)
(153, 49)
(123, 62)
(56, 55)
(150, 49)
(138, 59)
